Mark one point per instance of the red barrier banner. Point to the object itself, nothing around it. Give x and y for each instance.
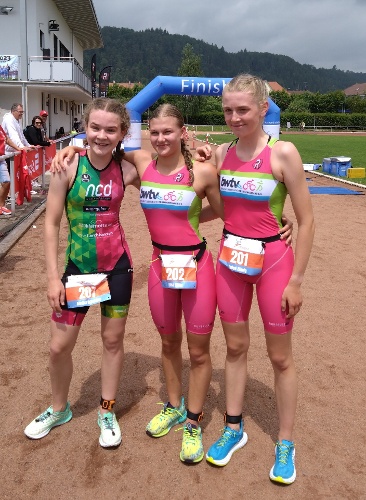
(35, 163)
(22, 181)
(17, 170)
(50, 152)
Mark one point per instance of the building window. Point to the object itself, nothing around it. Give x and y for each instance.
(61, 105)
(55, 46)
(55, 109)
(63, 51)
(66, 107)
(41, 39)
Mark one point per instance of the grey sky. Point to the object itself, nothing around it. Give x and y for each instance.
(322, 33)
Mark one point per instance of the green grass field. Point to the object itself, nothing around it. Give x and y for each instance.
(313, 148)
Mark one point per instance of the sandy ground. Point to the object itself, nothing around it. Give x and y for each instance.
(329, 345)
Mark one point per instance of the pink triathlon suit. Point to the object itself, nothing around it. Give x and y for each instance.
(253, 204)
(172, 208)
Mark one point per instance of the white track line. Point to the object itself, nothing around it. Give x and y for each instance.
(338, 179)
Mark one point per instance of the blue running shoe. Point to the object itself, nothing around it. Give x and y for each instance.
(229, 442)
(284, 470)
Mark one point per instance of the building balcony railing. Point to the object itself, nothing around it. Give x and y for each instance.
(64, 69)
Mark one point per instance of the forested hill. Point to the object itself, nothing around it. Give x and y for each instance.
(140, 56)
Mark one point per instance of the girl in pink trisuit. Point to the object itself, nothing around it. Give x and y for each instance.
(256, 173)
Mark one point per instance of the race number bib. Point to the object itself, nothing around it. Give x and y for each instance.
(86, 289)
(178, 271)
(242, 255)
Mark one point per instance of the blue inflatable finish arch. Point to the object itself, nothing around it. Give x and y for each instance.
(182, 85)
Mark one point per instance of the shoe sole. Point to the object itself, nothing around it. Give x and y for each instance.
(190, 461)
(47, 431)
(103, 444)
(106, 445)
(226, 460)
(165, 431)
(280, 479)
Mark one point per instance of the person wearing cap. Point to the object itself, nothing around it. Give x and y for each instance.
(44, 115)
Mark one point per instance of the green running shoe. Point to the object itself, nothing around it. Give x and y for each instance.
(41, 426)
(110, 433)
(166, 419)
(192, 447)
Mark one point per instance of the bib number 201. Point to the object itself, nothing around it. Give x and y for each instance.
(239, 258)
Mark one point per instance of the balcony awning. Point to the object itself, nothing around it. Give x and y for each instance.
(81, 18)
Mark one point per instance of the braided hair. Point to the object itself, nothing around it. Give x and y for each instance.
(166, 110)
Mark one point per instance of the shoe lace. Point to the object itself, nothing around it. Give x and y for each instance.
(167, 410)
(226, 435)
(107, 422)
(283, 452)
(46, 414)
(190, 433)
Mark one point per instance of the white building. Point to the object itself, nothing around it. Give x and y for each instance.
(41, 58)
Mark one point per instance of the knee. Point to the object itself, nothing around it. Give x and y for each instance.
(198, 356)
(113, 344)
(281, 361)
(57, 351)
(170, 344)
(237, 349)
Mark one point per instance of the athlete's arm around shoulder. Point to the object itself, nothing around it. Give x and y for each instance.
(206, 183)
(220, 154)
(140, 158)
(130, 175)
(64, 157)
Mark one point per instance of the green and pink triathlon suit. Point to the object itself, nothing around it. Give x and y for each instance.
(172, 208)
(96, 240)
(253, 204)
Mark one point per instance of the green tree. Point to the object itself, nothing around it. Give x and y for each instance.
(356, 104)
(191, 63)
(190, 66)
(124, 94)
(299, 104)
(281, 98)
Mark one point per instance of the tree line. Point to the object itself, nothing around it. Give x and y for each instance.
(140, 56)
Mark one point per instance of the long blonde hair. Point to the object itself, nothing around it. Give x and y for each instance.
(166, 110)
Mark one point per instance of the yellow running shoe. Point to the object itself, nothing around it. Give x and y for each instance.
(192, 448)
(166, 419)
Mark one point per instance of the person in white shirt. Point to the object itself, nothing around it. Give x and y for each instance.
(13, 129)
